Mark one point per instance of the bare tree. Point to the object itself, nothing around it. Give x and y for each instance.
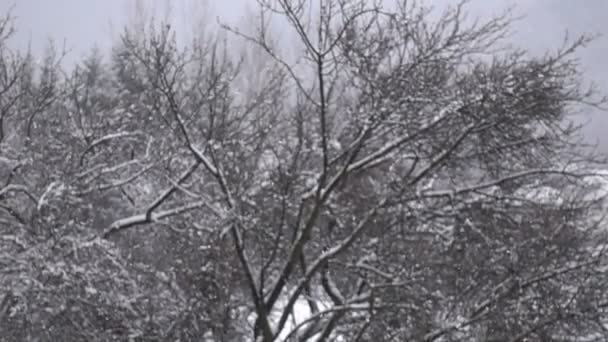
(406, 177)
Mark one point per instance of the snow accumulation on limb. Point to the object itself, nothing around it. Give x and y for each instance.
(112, 136)
(395, 143)
(105, 170)
(117, 183)
(109, 169)
(18, 188)
(200, 156)
(172, 189)
(131, 221)
(362, 265)
(150, 216)
(514, 176)
(203, 159)
(107, 138)
(54, 186)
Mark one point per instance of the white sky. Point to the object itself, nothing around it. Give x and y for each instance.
(83, 24)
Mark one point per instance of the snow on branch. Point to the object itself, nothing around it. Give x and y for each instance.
(135, 220)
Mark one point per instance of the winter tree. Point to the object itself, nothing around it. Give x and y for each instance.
(404, 175)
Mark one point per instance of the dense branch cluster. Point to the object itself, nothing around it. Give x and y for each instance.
(402, 178)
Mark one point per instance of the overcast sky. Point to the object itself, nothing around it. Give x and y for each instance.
(85, 23)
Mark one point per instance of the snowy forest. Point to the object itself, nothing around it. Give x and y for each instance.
(396, 174)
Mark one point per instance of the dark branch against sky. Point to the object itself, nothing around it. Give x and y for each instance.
(83, 24)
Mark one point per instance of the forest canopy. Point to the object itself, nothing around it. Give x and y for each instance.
(404, 175)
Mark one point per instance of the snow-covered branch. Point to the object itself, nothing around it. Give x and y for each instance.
(139, 219)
